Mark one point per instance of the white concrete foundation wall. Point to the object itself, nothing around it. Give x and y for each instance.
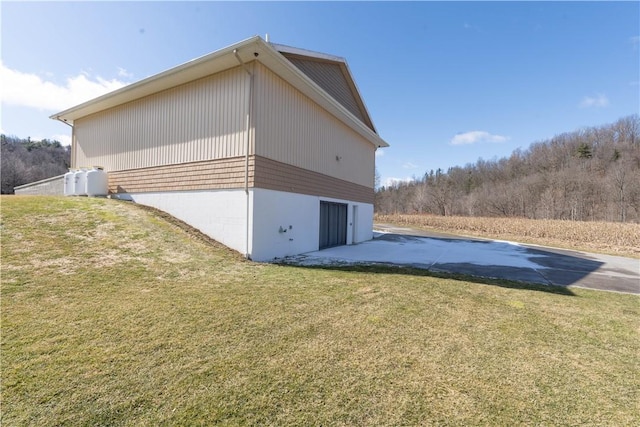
(363, 222)
(219, 214)
(50, 187)
(286, 224)
(283, 224)
(280, 223)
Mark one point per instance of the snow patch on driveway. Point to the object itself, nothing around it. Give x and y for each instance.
(483, 258)
(420, 251)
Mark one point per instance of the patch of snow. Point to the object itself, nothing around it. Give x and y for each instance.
(422, 251)
(378, 233)
(507, 242)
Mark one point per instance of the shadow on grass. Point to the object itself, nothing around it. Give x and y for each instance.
(480, 275)
(413, 271)
(489, 262)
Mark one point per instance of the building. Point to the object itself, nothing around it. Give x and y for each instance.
(266, 148)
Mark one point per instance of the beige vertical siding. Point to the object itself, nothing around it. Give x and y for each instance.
(292, 129)
(201, 120)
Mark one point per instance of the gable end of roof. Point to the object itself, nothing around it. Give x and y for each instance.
(333, 78)
(327, 80)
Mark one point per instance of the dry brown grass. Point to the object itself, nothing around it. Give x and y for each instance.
(115, 316)
(613, 238)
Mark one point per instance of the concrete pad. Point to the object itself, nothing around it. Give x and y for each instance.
(484, 258)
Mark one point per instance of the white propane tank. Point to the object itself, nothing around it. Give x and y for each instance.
(69, 183)
(97, 182)
(80, 179)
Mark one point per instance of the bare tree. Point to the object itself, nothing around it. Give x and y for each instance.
(26, 160)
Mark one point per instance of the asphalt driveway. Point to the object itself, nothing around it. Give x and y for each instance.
(484, 258)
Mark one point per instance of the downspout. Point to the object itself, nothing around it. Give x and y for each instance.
(246, 149)
(73, 146)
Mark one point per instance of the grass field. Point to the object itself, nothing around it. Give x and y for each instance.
(614, 238)
(112, 315)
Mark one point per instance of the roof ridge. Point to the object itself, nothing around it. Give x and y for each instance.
(282, 48)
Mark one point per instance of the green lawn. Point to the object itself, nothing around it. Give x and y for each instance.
(112, 315)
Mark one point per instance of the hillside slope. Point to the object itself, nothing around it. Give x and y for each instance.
(591, 174)
(111, 315)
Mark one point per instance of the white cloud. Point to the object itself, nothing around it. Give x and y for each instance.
(30, 90)
(409, 165)
(390, 182)
(476, 136)
(379, 153)
(124, 73)
(64, 139)
(600, 100)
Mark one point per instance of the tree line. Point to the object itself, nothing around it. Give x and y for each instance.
(592, 174)
(27, 160)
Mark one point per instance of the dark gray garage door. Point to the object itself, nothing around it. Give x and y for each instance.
(333, 224)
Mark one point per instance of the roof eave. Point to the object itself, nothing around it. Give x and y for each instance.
(195, 69)
(218, 61)
(344, 66)
(306, 85)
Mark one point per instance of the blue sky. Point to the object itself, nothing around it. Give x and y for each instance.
(445, 82)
